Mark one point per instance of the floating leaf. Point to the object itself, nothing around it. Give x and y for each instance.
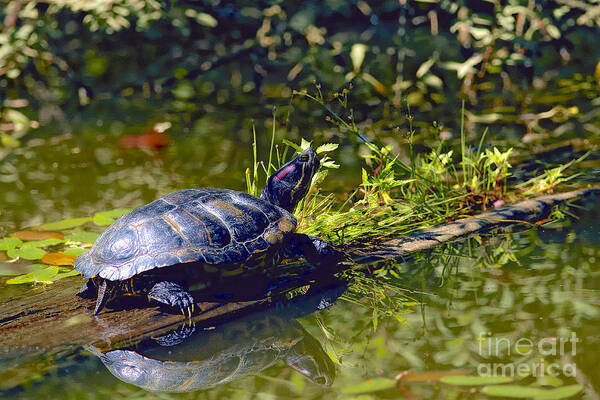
(64, 224)
(327, 147)
(549, 380)
(58, 259)
(73, 251)
(107, 217)
(27, 253)
(42, 243)
(83, 236)
(102, 220)
(9, 243)
(116, 213)
(45, 275)
(372, 385)
(560, 393)
(427, 376)
(66, 274)
(11, 269)
(36, 235)
(524, 392)
(475, 380)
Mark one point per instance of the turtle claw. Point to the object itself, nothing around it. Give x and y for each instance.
(174, 295)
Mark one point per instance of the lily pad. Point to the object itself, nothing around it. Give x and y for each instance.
(9, 243)
(58, 259)
(27, 253)
(475, 380)
(372, 385)
(114, 214)
(65, 274)
(64, 224)
(427, 376)
(102, 220)
(73, 251)
(83, 236)
(45, 275)
(42, 243)
(36, 235)
(525, 392)
(12, 269)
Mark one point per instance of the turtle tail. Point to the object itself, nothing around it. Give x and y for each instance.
(105, 292)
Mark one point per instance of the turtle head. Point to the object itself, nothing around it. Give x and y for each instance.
(290, 183)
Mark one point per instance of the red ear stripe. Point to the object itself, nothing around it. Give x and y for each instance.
(283, 173)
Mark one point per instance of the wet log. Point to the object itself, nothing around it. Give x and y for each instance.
(43, 319)
(525, 212)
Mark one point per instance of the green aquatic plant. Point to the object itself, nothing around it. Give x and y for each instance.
(53, 246)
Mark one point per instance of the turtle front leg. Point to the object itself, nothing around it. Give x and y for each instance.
(316, 251)
(174, 295)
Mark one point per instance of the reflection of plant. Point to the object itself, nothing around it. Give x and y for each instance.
(469, 302)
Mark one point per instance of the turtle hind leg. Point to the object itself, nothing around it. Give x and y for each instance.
(105, 293)
(174, 295)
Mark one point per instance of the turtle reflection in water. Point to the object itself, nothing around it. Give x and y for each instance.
(231, 351)
(143, 252)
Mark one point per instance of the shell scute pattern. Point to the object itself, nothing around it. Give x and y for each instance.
(213, 226)
(200, 227)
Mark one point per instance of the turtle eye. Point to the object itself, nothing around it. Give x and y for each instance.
(303, 158)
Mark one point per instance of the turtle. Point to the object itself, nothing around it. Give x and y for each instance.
(203, 229)
(245, 346)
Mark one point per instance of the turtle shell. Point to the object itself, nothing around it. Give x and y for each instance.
(207, 225)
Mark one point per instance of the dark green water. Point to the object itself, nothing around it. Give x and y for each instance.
(498, 305)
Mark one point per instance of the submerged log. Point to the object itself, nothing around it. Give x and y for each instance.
(52, 319)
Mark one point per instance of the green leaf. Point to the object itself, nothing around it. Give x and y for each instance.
(304, 144)
(73, 251)
(11, 269)
(116, 213)
(66, 274)
(42, 243)
(64, 224)
(83, 236)
(329, 164)
(102, 220)
(9, 243)
(372, 385)
(292, 145)
(524, 392)
(549, 380)
(327, 147)
(45, 275)
(27, 253)
(560, 393)
(475, 380)
(107, 217)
